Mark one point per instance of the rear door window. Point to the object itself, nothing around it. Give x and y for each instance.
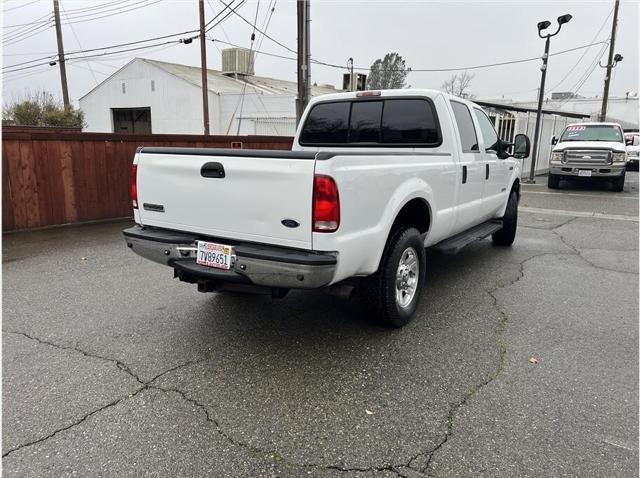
(328, 123)
(409, 121)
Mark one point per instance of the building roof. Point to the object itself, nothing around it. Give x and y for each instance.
(221, 84)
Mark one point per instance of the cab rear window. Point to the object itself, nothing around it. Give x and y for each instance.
(379, 122)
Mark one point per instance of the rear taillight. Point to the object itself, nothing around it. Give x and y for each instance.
(326, 204)
(134, 185)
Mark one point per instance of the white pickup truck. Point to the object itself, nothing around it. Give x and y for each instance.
(589, 150)
(373, 179)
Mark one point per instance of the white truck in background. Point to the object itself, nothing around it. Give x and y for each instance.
(632, 140)
(593, 151)
(373, 179)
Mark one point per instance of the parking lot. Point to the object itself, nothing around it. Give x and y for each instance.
(522, 361)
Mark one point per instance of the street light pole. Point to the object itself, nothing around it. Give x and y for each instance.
(545, 59)
(536, 134)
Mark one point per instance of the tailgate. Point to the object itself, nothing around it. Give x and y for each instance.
(242, 195)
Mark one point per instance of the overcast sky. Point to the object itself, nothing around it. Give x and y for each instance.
(430, 34)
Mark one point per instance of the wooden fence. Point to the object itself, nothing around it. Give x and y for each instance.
(51, 178)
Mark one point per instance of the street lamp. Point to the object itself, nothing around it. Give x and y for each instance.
(545, 58)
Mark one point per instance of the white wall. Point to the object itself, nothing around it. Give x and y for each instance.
(618, 109)
(255, 106)
(176, 105)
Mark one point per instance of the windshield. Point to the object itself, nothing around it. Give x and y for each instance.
(592, 133)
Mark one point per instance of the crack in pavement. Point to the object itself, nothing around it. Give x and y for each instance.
(73, 424)
(271, 455)
(502, 346)
(578, 252)
(491, 376)
(119, 364)
(404, 469)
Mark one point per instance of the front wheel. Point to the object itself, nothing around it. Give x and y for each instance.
(506, 235)
(553, 181)
(391, 295)
(618, 184)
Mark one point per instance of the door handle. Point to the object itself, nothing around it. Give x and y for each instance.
(212, 170)
(464, 174)
(486, 171)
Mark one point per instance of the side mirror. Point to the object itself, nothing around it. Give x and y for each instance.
(521, 146)
(554, 140)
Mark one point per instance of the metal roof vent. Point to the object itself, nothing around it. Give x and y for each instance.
(237, 61)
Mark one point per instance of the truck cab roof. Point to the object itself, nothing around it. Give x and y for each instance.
(407, 92)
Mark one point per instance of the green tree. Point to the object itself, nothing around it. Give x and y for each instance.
(41, 108)
(389, 72)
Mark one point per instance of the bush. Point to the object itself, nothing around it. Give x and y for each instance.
(42, 109)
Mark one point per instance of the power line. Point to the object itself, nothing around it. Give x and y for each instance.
(19, 38)
(100, 54)
(73, 20)
(118, 9)
(257, 29)
(73, 30)
(137, 42)
(583, 54)
(20, 6)
(97, 7)
(36, 21)
(412, 70)
(244, 88)
(587, 74)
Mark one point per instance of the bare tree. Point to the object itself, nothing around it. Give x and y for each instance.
(388, 72)
(458, 85)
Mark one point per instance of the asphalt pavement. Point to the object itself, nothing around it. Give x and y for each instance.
(522, 361)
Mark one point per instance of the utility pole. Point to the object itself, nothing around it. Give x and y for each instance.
(304, 88)
(351, 82)
(63, 68)
(607, 78)
(203, 60)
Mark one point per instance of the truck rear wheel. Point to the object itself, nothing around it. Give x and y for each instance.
(391, 295)
(506, 235)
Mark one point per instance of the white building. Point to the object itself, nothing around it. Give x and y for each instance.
(154, 96)
(624, 110)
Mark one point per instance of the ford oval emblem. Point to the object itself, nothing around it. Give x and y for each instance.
(290, 223)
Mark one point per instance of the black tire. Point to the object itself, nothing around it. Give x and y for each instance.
(618, 183)
(506, 235)
(553, 181)
(378, 291)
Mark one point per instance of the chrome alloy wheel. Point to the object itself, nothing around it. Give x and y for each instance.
(407, 277)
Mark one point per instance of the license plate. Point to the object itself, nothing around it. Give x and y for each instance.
(584, 173)
(215, 255)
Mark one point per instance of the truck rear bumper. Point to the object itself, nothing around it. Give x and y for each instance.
(254, 264)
